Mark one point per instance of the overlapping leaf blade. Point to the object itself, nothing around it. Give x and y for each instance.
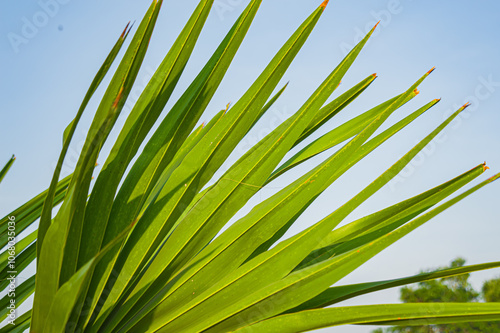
(242, 238)
(65, 309)
(46, 214)
(341, 293)
(106, 115)
(383, 314)
(334, 107)
(216, 146)
(142, 117)
(296, 248)
(57, 261)
(358, 155)
(194, 100)
(353, 234)
(236, 186)
(312, 280)
(29, 212)
(336, 136)
(383, 179)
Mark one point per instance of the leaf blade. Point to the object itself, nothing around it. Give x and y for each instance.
(383, 314)
(7, 167)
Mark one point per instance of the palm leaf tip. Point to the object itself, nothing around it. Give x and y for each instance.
(125, 31)
(7, 167)
(324, 4)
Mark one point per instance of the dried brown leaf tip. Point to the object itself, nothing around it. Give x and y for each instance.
(466, 105)
(376, 25)
(431, 70)
(416, 92)
(485, 167)
(374, 74)
(125, 30)
(437, 100)
(324, 4)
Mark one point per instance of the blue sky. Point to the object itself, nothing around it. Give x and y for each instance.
(46, 70)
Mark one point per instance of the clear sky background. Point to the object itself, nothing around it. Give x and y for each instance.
(44, 79)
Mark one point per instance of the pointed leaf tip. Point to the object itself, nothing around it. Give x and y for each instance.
(374, 74)
(466, 105)
(437, 100)
(324, 4)
(130, 28)
(431, 70)
(125, 30)
(376, 25)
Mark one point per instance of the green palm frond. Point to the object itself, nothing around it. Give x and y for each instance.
(154, 245)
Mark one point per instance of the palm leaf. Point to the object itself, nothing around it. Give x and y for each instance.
(6, 168)
(384, 314)
(154, 245)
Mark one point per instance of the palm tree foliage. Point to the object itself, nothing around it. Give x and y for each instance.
(450, 289)
(148, 247)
